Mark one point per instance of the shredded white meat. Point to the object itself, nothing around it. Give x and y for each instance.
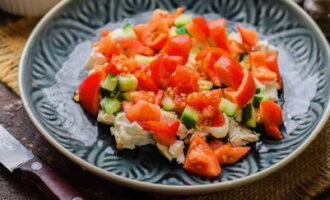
(240, 136)
(129, 135)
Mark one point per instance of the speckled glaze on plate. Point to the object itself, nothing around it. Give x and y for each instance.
(52, 67)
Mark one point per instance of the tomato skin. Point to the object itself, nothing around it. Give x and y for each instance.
(165, 133)
(229, 71)
(165, 17)
(159, 97)
(89, 93)
(145, 81)
(272, 64)
(179, 45)
(259, 67)
(227, 154)
(184, 80)
(199, 29)
(132, 47)
(264, 74)
(218, 33)
(112, 69)
(271, 116)
(210, 70)
(162, 69)
(249, 37)
(143, 111)
(245, 91)
(214, 51)
(127, 106)
(214, 144)
(107, 47)
(201, 160)
(153, 35)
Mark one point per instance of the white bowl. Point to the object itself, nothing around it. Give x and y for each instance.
(27, 7)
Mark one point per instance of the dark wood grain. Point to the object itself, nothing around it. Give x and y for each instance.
(38, 174)
(15, 120)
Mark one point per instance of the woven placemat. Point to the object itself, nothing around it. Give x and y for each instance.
(305, 177)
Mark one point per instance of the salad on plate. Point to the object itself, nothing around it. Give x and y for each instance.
(198, 93)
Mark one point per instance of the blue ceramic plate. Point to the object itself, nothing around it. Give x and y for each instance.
(53, 66)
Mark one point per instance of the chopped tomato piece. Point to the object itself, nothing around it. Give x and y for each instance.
(159, 97)
(218, 34)
(199, 29)
(201, 159)
(112, 69)
(264, 74)
(227, 154)
(140, 95)
(214, 144)
(257, 59)
(145, 81)
(185, 80)
(236, 48)
(143, 111)
(89, 93)
(208, 57)
(153, 35)
(127, 105)
(162, 69)
(218, 119)
(259, 69)
(229, 71)
(132, 47)
(107, 47)
(124, 64)
(201, 100)
(214, 51)
(179, 46)
(210, 70)
(165, 133)
(166, 17)
(272, 64)
(249, 37)
(245, 91)
(271, 116)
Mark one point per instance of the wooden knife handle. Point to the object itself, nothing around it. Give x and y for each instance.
(37, 173)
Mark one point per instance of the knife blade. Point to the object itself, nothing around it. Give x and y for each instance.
(20, 161)
(10, 146)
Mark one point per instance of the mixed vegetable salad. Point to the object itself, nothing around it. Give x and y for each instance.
(186, 85)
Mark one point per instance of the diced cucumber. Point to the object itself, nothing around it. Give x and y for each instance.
(258, 90)
(258, 98)
(126, 96)
(205, 85)
(110, 105)
(249, 116)
(110, 83)
(183, 20)
(144, 59)
(228, 107)
(168, 103)
(128, 31)
(127, 82)
(189, 117)
(182, 31)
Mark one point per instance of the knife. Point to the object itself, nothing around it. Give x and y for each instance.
(31, 169)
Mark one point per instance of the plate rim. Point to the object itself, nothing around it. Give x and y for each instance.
(156, 187)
